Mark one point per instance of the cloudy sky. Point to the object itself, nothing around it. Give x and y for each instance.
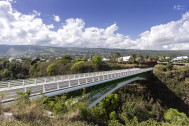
(128, 24)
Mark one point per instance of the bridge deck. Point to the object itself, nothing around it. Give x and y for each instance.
(62, 84)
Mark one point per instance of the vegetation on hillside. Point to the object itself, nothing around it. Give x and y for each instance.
(45, 51)
(65, 65)
(152, 102)
(176, 79)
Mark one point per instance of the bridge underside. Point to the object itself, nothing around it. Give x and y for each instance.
(102, 95)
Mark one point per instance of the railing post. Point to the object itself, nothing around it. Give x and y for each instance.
(24, 88)
(86, 80)
(69, 83)
(108, 76)
(45, 80)
(93, 79)
(43, 88)
(54, 79)
(8, 84)
(103, 77)
(58, 86)
(78, 82)
(35, 81)
(98, 78)
(23, 83)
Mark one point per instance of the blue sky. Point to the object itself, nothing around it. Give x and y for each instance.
(132, 16)
(137, 24)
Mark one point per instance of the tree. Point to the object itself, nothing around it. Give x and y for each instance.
(141, 59)
(169, 66)
(164, 58)
(117, 55)
(5, 74)
(96, 60)
(133, 58)
(175, 117)
(85, 59)
(78, 66)
(147, 57)
(66, 59)
(51, 69)
(78, 59)
(156, 58)
(33, 70)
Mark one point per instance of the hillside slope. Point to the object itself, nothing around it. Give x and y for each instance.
(161, 100)
(32, 50)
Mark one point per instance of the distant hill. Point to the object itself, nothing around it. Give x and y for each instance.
(32, 50)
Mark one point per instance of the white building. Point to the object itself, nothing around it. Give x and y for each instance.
(180, 58)
(167, 57)
(19, 60)
(124, 59)
(105, 59)
(11, 59)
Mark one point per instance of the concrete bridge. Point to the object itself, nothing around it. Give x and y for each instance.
(56, 85)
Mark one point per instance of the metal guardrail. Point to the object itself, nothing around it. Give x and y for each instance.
(21, 82)
(49, 84)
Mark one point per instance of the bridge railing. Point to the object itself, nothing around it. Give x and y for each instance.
(20, 82)
(71, 81)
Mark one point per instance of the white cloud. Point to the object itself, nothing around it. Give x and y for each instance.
(166, 36)
(178, 7)
(56, 18)
(36, 13)
(18, 28)
(11, 1)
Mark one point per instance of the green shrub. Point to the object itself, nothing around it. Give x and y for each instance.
(97, 60)
(162, 68)
(51, 69)
(175, 117)
(24, 109)
(78, 66)
(24, 97)
(169, 66)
